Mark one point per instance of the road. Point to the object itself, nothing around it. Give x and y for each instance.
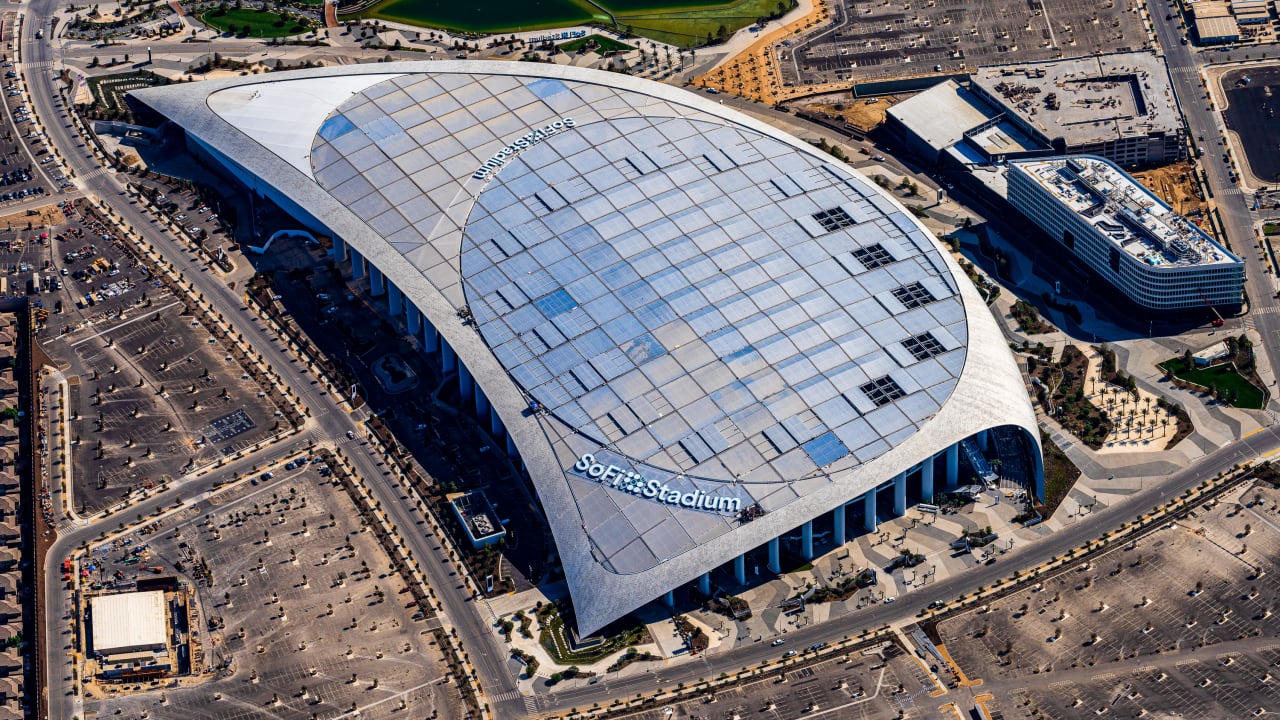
(906, 607)
(1203, 122)
(487, 655)
(328, 419)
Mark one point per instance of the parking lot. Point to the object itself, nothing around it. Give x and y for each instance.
(151, 391)
(21, 178)
(298, 614)
(882, 39)
(1182, 620)
(873, 684)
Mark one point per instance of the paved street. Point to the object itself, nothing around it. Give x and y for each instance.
(1203, 122)
(489, 656)
(327, 418)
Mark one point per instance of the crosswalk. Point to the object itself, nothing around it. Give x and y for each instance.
(503, 697)
(1267, 310)
(38, 65)
(530, 704)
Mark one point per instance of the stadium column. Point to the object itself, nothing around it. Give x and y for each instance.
(512, 452)
(395, 300)
(984, 440)
(466, 386)
(775, 563)
(447, 359)
(495, 424)
(669, 598)
(413, 319)
(838, 515)
(430, 338)
(806, 540)
(869, 510)
(377, 284)
(482, 403)
(357, 265)
(740, 569)
(339, 250)
(900, 494)
(926, 479)
(704, 583)
(953, 466)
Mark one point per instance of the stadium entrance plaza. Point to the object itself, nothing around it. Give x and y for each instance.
(921, 532)
(926, 533)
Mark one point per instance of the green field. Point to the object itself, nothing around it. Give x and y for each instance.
(250, 22)
(602, 45)
(692, 26)
(678, 22)
(496, 16)
(1223, 377)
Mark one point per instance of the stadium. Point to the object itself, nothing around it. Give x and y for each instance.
(709, 344)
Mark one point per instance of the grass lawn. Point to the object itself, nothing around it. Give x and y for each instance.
(1224, 377)
(255, 23)
(496, 16)
(690, 26)
(685, 23)
(602, 44)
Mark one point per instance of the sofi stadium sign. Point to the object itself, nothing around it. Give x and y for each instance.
(533, 138)
(633, 482)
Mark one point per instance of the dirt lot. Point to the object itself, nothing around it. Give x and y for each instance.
(753, 73)
(1144, 626)
(855, 111)
(297, 615)
(47, 215)
(1175, 185)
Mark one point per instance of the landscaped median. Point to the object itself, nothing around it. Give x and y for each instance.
(868, 640)
(1231, 378)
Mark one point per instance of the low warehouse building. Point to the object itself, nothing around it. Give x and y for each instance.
(128, 622)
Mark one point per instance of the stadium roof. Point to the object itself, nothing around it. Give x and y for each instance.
(128, 621)
(726, 315)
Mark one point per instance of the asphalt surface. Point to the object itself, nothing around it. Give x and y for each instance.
(328, 420)
(905, 607)
(1202, 121)
(489, 657)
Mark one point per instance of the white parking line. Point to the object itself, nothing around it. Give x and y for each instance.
(126, 322)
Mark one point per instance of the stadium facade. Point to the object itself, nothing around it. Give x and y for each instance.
(710, 345)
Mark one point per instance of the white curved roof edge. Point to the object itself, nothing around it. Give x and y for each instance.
(285, 116)
(990, 392)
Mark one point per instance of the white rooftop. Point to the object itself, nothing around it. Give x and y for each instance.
(1122, 209)
(128, 621)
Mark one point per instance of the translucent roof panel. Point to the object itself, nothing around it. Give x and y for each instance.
(616, 281)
